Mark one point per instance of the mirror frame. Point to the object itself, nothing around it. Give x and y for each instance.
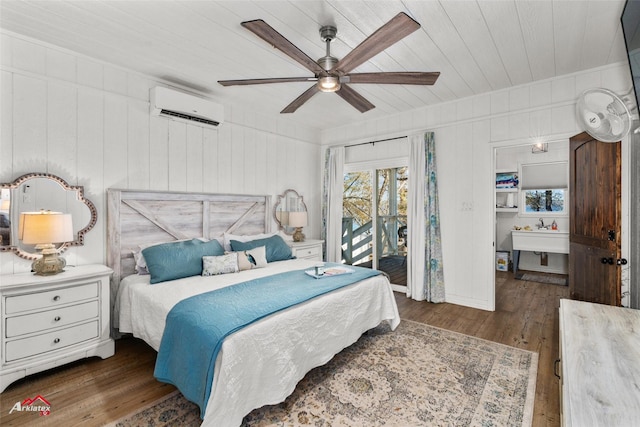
(78, 189)
(286, 230)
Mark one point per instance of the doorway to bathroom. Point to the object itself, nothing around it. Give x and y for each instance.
(532, 212)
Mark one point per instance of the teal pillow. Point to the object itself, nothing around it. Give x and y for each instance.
(277, 248)
(175, 260)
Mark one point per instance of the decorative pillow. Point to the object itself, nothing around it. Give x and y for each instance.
(175, 260)
(276, 248)
(244, 238)
(221, 264)
(141, 263)
(252, 258)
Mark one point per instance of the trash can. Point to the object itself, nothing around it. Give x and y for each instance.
(502, 261)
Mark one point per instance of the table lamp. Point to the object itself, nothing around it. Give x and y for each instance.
(44, 229)
(297, 220)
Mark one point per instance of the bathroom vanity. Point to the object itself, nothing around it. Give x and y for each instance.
(542, 240)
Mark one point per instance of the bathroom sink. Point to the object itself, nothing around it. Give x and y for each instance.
(542, 240)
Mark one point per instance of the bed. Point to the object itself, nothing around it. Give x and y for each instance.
(261, 363)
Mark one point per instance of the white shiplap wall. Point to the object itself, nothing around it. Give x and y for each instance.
(467, 131)
(88, 122)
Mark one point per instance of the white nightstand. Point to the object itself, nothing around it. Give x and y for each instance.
(52, 320)
(309, 249)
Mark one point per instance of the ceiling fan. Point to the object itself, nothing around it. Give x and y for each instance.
(333, 75)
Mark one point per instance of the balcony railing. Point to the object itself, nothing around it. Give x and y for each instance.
(357, 243)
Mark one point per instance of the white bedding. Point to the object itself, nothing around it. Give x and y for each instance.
(262, 363)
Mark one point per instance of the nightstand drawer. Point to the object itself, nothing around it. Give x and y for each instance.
(50, 299)
(309, 253)
(20, 325)
(18, 349)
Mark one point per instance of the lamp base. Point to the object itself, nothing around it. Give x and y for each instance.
(50, 263)
(297, 235)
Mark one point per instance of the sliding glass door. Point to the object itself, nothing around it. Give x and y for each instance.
(374, 220)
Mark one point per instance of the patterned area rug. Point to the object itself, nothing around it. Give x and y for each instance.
(416, 376)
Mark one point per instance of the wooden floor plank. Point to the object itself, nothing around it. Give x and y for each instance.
(94, 392)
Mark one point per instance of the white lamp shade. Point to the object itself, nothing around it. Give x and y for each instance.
(297, 219)
(45, 227)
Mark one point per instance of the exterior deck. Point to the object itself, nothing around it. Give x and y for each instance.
(394, 265)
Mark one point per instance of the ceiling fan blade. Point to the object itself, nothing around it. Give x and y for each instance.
(275, 39)
(265, 81)
(297, 103)
(355, 99)
(393, 31)
(398, 78)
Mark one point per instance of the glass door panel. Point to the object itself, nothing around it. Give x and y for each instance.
(357, 224)
(391, 221)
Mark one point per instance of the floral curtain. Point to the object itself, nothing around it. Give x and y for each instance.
(434, 280)
(425, 268)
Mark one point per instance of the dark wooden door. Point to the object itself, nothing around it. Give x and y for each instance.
(594, 197)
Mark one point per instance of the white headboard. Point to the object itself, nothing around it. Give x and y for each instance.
(140, 217)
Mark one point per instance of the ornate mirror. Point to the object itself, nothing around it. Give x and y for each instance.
(42, 191)
(289, 201)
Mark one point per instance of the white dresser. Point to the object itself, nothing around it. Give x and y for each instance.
(600, 358)
(48, 321)
(309, 249)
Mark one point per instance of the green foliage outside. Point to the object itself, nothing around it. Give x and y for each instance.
(357, 195)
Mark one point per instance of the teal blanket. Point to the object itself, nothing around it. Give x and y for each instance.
(197, 326)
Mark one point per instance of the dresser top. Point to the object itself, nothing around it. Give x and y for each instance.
(600, 363)
(69, 273)
(306, 242)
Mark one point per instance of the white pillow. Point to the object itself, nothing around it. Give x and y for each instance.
(243, 238)
(286, 237)
(252, 258)
(221, 264)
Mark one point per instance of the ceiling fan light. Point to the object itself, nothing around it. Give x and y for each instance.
(328, 84)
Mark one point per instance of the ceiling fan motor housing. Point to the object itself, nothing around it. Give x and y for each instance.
(327, 62)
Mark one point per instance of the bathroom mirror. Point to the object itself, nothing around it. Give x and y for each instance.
(42, 191)
(289, 201)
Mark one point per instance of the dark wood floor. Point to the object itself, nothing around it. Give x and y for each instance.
(94, 392)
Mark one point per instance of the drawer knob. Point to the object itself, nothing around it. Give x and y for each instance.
(56, 341)
(56, 298)
(56, 319)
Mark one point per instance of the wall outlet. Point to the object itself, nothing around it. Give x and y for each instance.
(466, 206)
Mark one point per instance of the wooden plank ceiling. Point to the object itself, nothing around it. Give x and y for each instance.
(478, 46)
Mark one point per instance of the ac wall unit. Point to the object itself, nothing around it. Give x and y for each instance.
(184, 107)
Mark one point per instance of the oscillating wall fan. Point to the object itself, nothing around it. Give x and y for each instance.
(333, 75)
(603, 115)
